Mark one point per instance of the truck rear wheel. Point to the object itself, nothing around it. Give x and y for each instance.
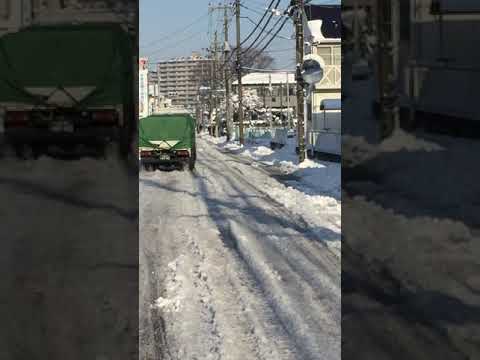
(124, 143)
(191, 164)
(192, 159)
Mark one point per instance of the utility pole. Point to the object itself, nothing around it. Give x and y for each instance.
(215, 88)
(300, 5)
(270, 91)
(386, 80)
(210, 95)
(290, 125)
(281, 102)
(356, 31)
(239, 75)
(226, 51)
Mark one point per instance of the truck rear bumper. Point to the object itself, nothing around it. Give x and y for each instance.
(44, 136)
(156, 161)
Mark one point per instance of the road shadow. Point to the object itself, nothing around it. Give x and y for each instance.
(39, 190)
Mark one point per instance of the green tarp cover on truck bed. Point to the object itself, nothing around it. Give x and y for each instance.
(171, 128)
(98, 56)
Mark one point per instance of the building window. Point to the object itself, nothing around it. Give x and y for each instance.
(337, 55)
(326, 54)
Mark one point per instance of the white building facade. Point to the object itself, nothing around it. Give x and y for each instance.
(143, 96)
(323, 37)
(276, 92)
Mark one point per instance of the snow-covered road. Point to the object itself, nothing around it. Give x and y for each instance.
(226, 272)
(68, 259)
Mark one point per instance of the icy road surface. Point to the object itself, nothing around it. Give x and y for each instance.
(228, 273)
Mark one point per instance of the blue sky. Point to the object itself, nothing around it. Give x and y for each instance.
(164, 33)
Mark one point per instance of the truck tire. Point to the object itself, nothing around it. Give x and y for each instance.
(124, 143)
(191, 163)
(192, 159)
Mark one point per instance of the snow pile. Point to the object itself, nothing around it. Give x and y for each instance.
(310, 190)
(321, 213)
(419, 191)
(262, 151)
(168, 304)
(232, 146)
(215, 140)
(311, 176)
(400, 140)
(435, 258)
(357, 150)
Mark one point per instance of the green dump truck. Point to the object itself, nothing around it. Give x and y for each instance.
(167, 140)
(69, 87)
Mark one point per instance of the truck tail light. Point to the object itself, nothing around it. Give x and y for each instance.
(183, 153)
(105, 116)
(17, 118)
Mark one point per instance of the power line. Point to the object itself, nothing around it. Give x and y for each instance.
(266, 34)
(290, 71)
(274, 36)
(263, 28)
(270, 31)
(269, 42)
(257, 25)
(177, 32)
(279, 50)
(258, 12)
(257, 3)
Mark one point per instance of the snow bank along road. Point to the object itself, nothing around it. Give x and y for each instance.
(228, 273)
(68, 229)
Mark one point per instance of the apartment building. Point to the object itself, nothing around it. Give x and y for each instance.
(153, 94)
(143, 96)
(180, 78)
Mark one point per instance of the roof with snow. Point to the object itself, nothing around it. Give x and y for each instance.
(330, 15)
(259, 78)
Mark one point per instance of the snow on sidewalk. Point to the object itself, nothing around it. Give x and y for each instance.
(310, 190)
(424, 197)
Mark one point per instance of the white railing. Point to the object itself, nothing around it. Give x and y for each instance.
(332, 78)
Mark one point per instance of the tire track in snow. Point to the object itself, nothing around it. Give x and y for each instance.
(243, 269)
(231, 292)
(252, 201)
